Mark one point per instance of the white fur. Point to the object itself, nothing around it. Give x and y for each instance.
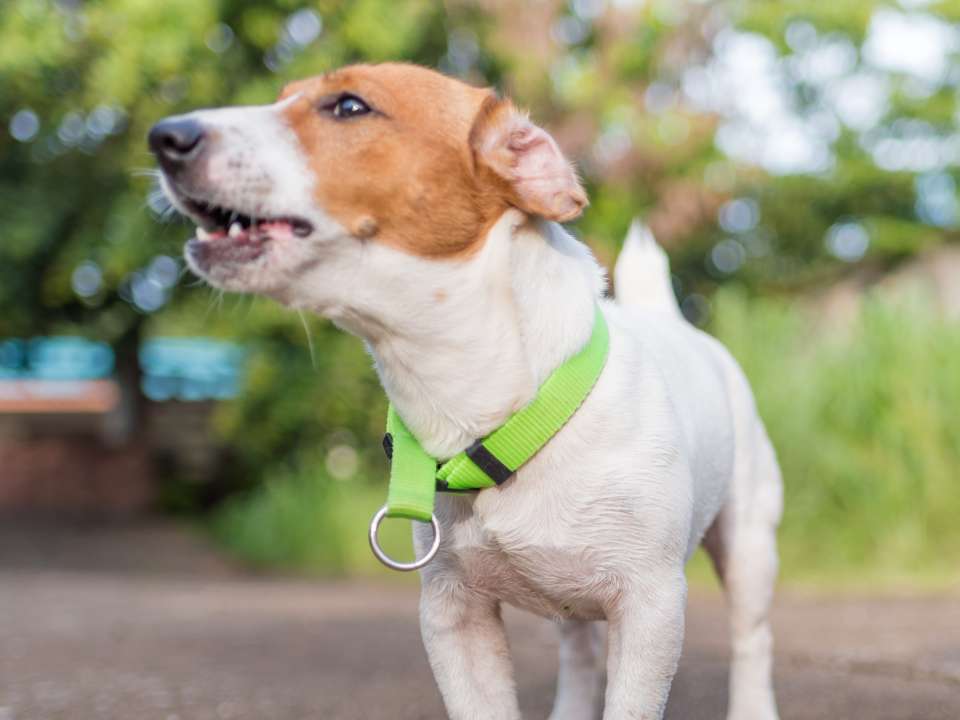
(642, 274)
(667, 450)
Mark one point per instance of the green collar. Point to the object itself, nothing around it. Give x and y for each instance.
(415, 476)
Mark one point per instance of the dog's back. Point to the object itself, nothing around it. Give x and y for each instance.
(726, 436)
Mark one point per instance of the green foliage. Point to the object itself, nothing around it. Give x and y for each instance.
(864, 422)
(303, 521)
(386, 31)
(288, 522)
(849, 17)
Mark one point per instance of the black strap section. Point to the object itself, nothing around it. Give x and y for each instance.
(489, 463)
(388, 446)
(444, 488)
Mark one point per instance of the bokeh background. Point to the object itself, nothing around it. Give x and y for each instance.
(797, 159)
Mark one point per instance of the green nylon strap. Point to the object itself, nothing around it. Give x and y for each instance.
(414, 474)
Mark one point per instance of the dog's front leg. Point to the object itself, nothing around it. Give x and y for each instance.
(645, 641)
(467, 647)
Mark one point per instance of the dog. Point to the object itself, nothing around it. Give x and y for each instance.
(423, 215)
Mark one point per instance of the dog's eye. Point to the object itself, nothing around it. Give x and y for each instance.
(349, 106)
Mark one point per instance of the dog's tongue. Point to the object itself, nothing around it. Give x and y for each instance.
(275, 227)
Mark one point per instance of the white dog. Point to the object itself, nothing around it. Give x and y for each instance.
(420, 214)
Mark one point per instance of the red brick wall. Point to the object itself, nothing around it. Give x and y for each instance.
(74, 475)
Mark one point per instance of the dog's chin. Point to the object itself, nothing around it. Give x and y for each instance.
(235, 267)
(242, 265)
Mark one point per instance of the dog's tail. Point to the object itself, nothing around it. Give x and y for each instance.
(642, 273)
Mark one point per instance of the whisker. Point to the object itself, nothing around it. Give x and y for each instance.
(246, 303)
(238, 304)
(215, 295)
(306, 329)
(160, 204)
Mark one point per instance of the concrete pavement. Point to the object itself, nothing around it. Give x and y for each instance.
(150, 624)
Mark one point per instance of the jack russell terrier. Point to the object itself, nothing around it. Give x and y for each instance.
(421, 214)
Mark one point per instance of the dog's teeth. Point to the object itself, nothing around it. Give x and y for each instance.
(236, 230)
(202, 234)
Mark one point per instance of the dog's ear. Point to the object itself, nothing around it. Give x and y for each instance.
(527, 162)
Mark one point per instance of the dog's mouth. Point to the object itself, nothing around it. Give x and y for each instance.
(228, 235)
(215, 221)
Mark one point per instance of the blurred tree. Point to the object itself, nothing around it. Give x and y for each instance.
(90, 246)
(777, 144)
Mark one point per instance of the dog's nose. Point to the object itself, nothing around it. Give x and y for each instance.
(175, 141)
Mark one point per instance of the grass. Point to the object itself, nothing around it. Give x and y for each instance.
(866, 422)
(301, 520)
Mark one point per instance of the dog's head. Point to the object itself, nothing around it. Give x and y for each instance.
(369, 156)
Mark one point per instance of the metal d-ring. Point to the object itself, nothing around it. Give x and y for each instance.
(390, 562)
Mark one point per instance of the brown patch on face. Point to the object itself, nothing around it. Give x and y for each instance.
(404, 173)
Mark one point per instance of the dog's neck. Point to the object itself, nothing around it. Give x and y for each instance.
(461, 345)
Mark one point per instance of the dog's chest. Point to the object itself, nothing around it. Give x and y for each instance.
(550, 583)
(553, 579)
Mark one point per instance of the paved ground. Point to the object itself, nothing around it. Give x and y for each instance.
(149, 624)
